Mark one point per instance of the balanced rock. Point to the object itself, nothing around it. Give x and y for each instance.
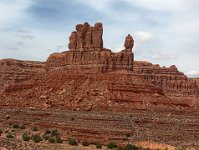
(129, 42)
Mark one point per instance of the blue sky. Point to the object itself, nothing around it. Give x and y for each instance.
(165, 32)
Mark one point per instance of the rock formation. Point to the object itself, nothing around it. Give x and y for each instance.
(91, 76)
(129, 42)
(86, 37)
(86, 52)
(159, 103)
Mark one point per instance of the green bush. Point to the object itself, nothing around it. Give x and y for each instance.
(72, 142)
(1, 132)
(34, 128)
(22, 127)
(112, 145)
(130, 147)
(98, 146)
(51, 140)
(48, 132)
(15, 126)
(10, 136)
(36, 138)
(59, 140)
(85, 143)
(26, 137)
(55, 133)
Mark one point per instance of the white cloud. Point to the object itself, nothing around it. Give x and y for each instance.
(163, 56)
(25, 36)
(143, 36)
(193, 73)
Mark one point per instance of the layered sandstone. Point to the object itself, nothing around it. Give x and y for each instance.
(89, 76)
(160, 104)
(14, 72)
(86, 52)
(169, 79)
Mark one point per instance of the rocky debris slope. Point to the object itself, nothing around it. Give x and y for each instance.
(15, 72)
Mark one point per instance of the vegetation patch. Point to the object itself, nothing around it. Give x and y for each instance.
(26, 137)
(72, 142)
(112, 145)
(15, 126)
(85, 143)
(36, 138)
(98, 146)
(10, 136)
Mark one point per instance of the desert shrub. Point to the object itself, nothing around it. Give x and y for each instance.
(112, 145)
(1, 131)
(36, 138)
(55, 133)
(131, 147)
(48, 132)
(128, 147)
(15, 126)
(98, 146)
(128, 135)
(85, 143)
(59, 140)
(26, 137)
(51, 140)
(34, 128)
(72, 142)
(22, 127)
(10, 136)
(46, 136)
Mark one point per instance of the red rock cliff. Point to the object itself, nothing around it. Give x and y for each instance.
(90, 75)
(86, 52)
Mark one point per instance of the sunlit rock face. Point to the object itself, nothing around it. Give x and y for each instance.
(86, 52)
(89, 76)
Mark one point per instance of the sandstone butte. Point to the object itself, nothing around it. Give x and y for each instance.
(89, 77)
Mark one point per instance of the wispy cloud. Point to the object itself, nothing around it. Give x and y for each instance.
(25, 36)
(11, 48)
(193, 73)
(20, 43)
(164, 56)
(143, 36)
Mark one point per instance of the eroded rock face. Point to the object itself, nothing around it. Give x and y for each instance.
(14, 72)
(90, 75)
(129, 42)
(86, 37)
(170, 80)
(86, 52)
